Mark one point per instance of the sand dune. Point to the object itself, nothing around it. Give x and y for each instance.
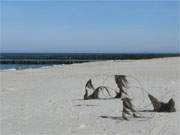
(49, 101)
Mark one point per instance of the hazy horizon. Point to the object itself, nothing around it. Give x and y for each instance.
(90, 52)
(90, 27)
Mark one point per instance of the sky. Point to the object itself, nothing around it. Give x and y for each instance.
(90, 26)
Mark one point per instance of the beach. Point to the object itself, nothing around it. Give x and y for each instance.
(49, 101)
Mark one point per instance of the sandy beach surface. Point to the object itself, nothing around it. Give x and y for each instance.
(50, 101)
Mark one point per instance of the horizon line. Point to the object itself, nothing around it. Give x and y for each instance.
(95, 52)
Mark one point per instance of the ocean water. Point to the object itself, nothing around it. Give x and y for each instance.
(22, 66)
(20, 61)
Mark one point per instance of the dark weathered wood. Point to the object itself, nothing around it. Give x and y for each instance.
(89, 85)
(128, 109)
(121, 82)
(160, 106)
(95, 94)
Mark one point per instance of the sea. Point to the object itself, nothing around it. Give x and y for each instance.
(20, 61)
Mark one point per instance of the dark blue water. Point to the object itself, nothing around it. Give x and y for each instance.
(19, 61)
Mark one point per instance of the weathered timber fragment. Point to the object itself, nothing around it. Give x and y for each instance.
(160, 106)
(95, 94)
(121, 82)
(89, 85)
(128, 109)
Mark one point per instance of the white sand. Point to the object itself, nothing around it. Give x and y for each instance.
(48, 101)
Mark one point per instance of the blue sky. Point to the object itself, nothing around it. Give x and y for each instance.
(114, 27)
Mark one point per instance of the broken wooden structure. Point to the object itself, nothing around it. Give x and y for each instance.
(95, 93)
(128, 109)
(121, 82)
(160, 106)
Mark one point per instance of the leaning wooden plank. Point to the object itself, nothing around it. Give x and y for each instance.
(121, 82)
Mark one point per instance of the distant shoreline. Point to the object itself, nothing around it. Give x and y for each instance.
(70, 58)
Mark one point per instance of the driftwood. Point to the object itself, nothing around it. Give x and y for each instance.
(95, 94)
(128, 109)
(160, 106)
(89, 85)
(121, 82)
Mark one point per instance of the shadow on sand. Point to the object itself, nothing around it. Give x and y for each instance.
(111, 98)
(86, 105)
(145, 111)
(112, 117)
(141, 118)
